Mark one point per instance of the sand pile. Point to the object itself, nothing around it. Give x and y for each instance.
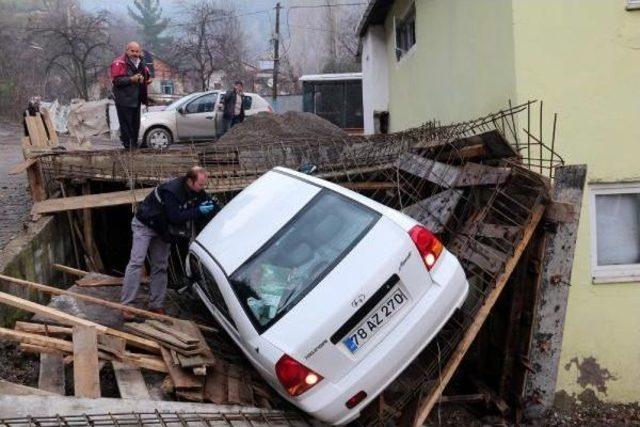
(292, 126)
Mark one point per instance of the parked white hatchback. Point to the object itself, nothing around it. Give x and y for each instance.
(328, 293)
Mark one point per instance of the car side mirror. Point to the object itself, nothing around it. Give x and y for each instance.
(181, 110)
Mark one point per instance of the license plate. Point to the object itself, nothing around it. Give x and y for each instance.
(379, 317)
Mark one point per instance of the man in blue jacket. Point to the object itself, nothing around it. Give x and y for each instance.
(163, 217)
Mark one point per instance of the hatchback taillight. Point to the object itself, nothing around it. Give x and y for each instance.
(294, 376)
(428, 245)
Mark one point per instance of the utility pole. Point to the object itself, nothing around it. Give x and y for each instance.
(276, 57)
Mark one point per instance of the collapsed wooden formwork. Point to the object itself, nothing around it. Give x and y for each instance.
(485, 191)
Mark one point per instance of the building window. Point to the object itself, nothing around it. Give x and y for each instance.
(406, 32)
(615, 231)
(166, 87)
(633, 4)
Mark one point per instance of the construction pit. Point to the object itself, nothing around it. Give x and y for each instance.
(498, 196)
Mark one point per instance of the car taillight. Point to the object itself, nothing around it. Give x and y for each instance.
(428, 245)
(355, 399)
(294, 376)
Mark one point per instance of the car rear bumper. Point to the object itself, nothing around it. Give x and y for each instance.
(327, 401)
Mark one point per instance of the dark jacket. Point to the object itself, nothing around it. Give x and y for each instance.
(177, 205)
(230, 105)
(125, 92)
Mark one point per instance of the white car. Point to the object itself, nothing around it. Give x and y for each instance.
(195, 117)
(328, 293)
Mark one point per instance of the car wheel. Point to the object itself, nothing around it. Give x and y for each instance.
(158, 138)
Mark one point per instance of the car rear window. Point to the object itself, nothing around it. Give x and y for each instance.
(296, 259)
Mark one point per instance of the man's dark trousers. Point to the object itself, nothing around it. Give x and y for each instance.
(129, 118)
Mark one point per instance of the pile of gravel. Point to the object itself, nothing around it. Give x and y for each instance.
(292, 126)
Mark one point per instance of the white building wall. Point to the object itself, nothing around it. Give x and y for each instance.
(375, 76)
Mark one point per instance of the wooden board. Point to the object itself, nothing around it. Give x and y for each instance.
(181, 378)
(43, 329)
(429, 401)
(34, 134)
(192, 329)
(436, 211)
(9, 388)
(21, 167)
(162, 338)
(69, 319)
(238, 387)
(53, 136)
(86, 374)
(90, 201)
(215, 388)
(42, 131)
(51, 375)
(186, 338)
(94, 300)
(112, 345)
(130, 381)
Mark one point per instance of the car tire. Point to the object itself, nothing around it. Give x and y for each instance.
(158, 138)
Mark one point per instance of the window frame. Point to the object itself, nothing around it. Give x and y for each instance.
(401, 20)
(167, 84)
(602, 274)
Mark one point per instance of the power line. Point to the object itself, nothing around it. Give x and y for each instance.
(327, 5)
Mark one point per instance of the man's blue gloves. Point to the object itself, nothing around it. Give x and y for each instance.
(207, 207)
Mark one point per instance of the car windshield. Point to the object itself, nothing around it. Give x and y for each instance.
(175, 104)
(287, 267)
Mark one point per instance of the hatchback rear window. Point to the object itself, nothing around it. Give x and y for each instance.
(296, 259)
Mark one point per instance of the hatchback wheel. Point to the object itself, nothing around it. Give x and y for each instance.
(158, 138)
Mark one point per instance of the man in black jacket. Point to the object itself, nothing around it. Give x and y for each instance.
(164, 216)
(233, 104)
(130, 79)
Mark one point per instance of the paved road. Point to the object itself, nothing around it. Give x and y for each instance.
(15, 199)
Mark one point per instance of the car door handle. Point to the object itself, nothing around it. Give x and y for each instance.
(209, 117)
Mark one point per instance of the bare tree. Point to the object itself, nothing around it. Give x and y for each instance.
(75, 44)
(210, 40)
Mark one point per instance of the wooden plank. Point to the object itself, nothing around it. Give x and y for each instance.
(9, 388)
(186, 338)
(215, 388)
(111, 344)
(87, 231)
(35, 339)
(43, 329)
(51, 375)
(181, 378)
(130, 381)
(57, 291)
(436, 211)
(161, 337)
(551, 304)
(234, 394)
(69, 319)
(91, 201)
(190, 328)
(473, 174)
(34, 134)
(51, 129)
(561, 212)
(86, 375)
(21, 167)
(42, 131)
(449, 369)
(36, 183)
(70, 270)
(438, 173)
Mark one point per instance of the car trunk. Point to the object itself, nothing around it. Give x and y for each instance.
(383, 266)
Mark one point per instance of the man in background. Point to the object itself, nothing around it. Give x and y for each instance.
(233, 107)
(130, 79)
